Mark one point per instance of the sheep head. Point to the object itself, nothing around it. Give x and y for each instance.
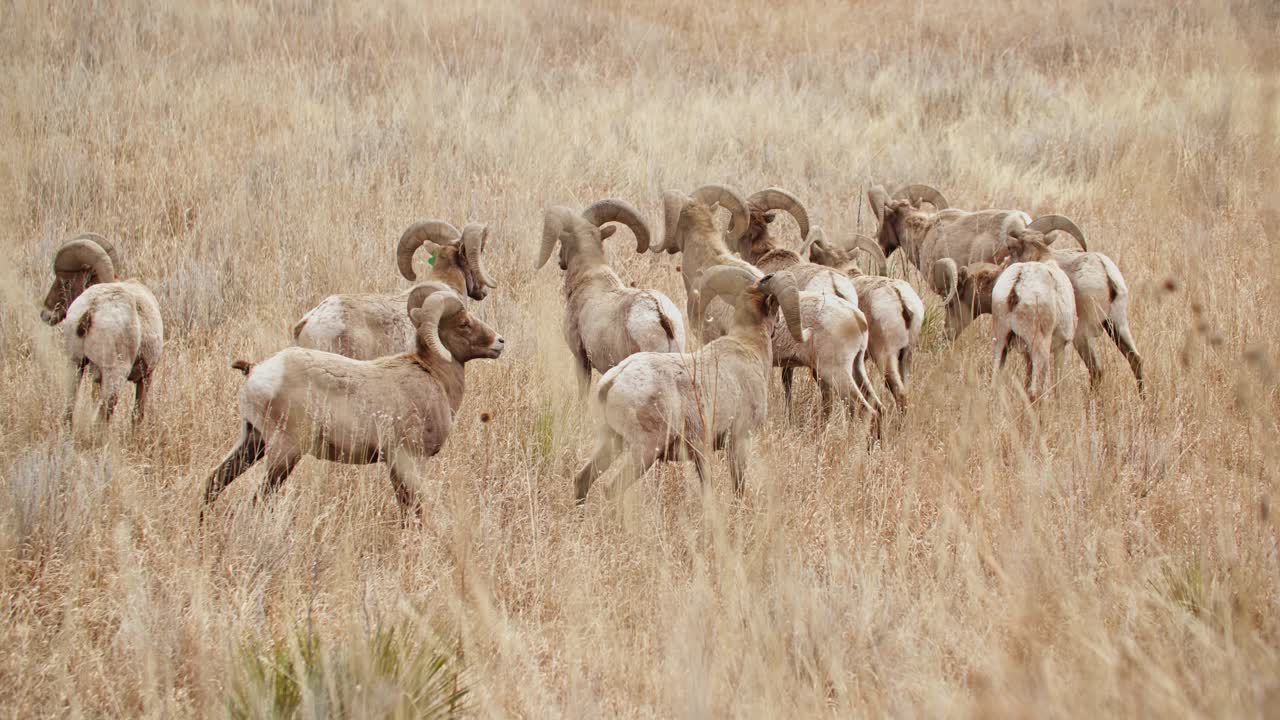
(891, 212)
(1046, 224)
(755, 297)
(85, 260)
(967, 289)
(475, 239)
(763, 209)
(446, 329)
(685, 215)
(1024, 246)
(582, 235)
(821, 252)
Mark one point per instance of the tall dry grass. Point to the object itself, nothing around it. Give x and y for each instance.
(1099, 555)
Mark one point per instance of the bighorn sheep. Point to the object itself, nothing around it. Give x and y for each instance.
(109, 326)
(367, 326)
(964, 237)
(893, 309)
(398, 409)
(759, 248)
(1102, 298)
(605, 321)
(1032, 306)
(676, 405)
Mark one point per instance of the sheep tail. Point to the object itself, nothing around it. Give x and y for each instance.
(297, 328)
(1113, 290)
(1013, 291)
(85, 324)
(663, 320)
(602, 392)
(907, 317)
(243, 366)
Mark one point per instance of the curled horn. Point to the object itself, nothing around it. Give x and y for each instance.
(1048, 223)
(782, 285)
(85, 253)
(420, 293)
(712, 195)
(872, 248)
(816, 237)
(436, 307)
(673, 203)
(557, 220)
(436, 232)
(917, 193)
(474, 238)
(778, 199)
(878, 199)
(621, 211)
(947, 277)
(726, 280)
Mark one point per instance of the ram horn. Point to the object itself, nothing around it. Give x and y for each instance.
(918, 193)
(726, 280)
(712, 195)
(436, 232)
(946, 276)
(872, 248)
(778, 199)
(782, 285)
(475, 236)
(673, 203)
(1048, 223)
(620, 211)
(435, 309)
(556, 221)
(817, 237)
(878, 199)
(85, 253)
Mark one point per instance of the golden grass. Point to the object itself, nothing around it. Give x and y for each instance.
(1098, 555)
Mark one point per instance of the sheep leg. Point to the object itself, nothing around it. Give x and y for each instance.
(403, 469)
(582, 371)
(738, 449)
(140, 398)
(893, 380)
(247, 451)
(1039, 364)
(608, 446)
(1119, 333)
(863, 383)
(280, 462)
(111, 386)
(74, 378)
(1085, 350)
(640, 459)
(828, 399)
(788, 377)
(905, 365)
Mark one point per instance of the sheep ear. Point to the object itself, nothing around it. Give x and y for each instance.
(771, 216)
(607, 231)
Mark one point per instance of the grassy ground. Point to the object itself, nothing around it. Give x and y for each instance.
(1100, 555)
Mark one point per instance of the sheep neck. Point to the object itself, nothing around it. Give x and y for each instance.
(911, 234)
(589, 271)
(450, 374)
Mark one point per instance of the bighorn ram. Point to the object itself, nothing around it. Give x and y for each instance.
(398, 409)
(675, 406)
(893, 309)
(605, 321)
(1102, 298)
(369, 325)
(112, 327)
(964, 237)
(758, 247)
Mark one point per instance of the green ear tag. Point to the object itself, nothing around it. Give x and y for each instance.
(432, 260)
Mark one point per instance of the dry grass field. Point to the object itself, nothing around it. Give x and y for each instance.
(1096, 555)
